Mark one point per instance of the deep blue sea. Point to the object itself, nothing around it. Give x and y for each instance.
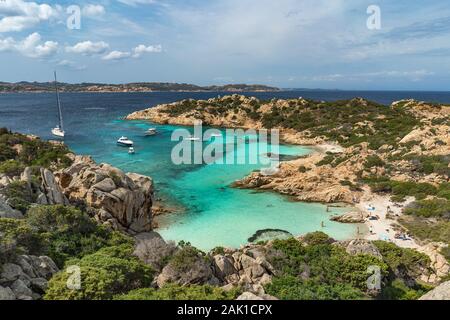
(208, 212)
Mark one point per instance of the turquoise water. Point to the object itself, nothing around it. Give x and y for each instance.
(209, 212)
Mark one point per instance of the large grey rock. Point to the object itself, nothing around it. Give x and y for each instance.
(249, 296)
(26, 176)
(27, 278)
(224, 267)
(350, 217)
(361, 246)
(4, 180)
(198, 272)
(51, 189)
(7, 212)
(153, 250)
(20, 289)
(441, 292)
(123, 201)
(6, 294)
(11, 272)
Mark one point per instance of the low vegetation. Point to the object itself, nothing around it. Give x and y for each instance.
(176, 292)
(18, 151)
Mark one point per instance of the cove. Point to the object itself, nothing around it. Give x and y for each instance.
(211, 213)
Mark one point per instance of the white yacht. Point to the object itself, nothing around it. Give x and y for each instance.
(124, 141)
(131, 150)
(58, 131)
(151, 132)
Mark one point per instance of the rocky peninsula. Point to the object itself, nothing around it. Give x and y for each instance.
(391, 162)
(61, 213)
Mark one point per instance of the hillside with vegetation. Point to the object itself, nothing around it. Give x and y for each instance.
(401, 151)
(52, 228)
(23, 86)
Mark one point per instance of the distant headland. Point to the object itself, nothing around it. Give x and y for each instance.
(24, 86)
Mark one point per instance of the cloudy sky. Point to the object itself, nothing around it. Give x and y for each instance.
(285, 43)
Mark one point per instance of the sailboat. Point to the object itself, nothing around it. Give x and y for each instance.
(58, 131)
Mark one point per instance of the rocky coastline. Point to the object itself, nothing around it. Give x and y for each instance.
(68, 210)
(332, 173)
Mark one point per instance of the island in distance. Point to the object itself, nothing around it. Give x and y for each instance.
(24, 86)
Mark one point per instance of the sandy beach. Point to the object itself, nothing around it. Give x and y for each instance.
(385, 226)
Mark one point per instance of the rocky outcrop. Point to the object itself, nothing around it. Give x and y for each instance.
(6, 211)
(50, 191)
(26, 279)
(349, 217)
(253, 297)
(314, 183)
(441, 292)
(198, 272)
(121, 200)
(153, 250)
(439, 265)
(360, 246)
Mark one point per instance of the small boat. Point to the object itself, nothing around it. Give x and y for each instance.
(151, 132)
(131, 150)
(58, 131)
(124, 141)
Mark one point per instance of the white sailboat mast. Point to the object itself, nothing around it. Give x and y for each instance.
(59, 105)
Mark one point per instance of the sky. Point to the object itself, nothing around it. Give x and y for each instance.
(328, 44)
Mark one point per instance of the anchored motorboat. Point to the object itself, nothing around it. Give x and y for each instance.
(151, 132)
(124, 141)
(131, 150)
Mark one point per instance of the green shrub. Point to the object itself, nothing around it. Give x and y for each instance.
(19, 195)
(7, 152)
(373, 161)
(317, 237)
(177, 292)
(185, 258)
(426, 230)
(104, 274)
(17, 237)
(322, 263)
(70, 232)
(405, 260)
(437, 208)
(11, 168)
(398, 290)
(293, 288)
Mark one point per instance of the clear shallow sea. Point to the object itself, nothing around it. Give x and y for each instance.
(210, 212)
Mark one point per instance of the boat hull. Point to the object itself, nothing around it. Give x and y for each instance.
(124, 144)
(58, 133)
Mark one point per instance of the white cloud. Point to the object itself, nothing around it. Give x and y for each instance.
(93, 10)
(116, 55)
(31, 46)
(136, 2)
(70, 65)
(88, 48)
(412, 75)
(141, 49)
(18, 15)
